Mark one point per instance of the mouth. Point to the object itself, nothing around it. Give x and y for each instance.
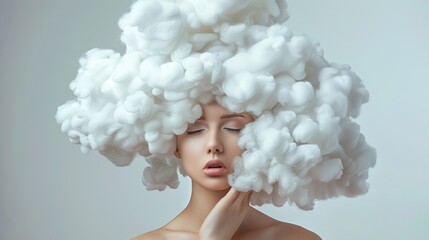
(216, 163)
(215, 168)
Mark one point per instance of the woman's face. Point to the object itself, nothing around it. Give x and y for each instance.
(209, 145)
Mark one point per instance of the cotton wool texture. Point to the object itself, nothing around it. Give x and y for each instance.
(303, 144)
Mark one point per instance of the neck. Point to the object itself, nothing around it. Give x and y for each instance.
(202, 202)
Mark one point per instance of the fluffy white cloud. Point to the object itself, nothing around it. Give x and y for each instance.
(179, 54)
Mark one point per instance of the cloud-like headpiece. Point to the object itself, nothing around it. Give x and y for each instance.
(303, 144)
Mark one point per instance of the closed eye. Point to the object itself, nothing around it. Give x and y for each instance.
(233, 129)
(194, 132)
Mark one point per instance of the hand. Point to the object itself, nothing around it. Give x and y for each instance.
(226, 216)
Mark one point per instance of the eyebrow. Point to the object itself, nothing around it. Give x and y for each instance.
(232, 116)
(226, 116)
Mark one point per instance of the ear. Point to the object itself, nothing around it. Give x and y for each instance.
(177, 153)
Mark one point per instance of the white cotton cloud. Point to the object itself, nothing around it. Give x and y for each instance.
(302, 146)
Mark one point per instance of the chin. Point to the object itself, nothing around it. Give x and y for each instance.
(217, 185)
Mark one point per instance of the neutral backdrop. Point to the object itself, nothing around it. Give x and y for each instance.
(49, 190)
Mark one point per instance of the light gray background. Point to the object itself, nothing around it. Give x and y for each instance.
(49, 190)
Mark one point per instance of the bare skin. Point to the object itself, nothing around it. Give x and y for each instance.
(215, 210)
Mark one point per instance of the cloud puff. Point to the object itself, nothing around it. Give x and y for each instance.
(303, 144)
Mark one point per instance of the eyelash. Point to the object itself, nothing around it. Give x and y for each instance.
(237, 130)
(233, 129)
(193, 132)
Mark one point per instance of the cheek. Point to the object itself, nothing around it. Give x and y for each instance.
(191, 155)
(232, 144)
(190, 149)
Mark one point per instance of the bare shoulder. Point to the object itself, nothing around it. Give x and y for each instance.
(158, 234)
(292, 232)
(166, 234)
(267, 227)
(279, 231)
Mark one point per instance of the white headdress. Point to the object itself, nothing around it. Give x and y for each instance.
(303, 144)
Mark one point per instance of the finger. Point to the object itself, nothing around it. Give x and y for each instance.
(231, 195)
(242, 196)
(242, 200)
(248, 195)
(246, 201)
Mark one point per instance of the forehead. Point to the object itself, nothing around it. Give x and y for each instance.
(215, 111)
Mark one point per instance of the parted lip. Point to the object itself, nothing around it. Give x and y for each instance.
(214, 163)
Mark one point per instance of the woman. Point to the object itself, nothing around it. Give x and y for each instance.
(215, 210)
(299, 144)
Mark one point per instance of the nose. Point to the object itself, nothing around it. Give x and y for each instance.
(214, 144)
(215, 148)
